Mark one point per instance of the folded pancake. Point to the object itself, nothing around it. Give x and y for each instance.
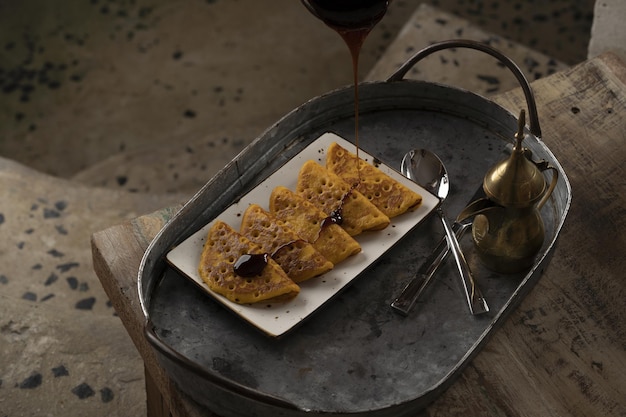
(309, 222)
(390, 196)
(335, 197)
(224, 247)
(297, 257)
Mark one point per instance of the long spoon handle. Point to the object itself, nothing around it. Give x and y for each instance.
(411, 293)
(475, 300)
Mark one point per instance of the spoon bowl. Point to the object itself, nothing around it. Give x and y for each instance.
(426, 169)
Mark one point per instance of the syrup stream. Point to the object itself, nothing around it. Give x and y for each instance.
(249, 265)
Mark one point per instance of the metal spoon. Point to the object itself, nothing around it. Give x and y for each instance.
(426, 169)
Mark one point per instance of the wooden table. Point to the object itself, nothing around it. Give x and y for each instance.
(563, 351)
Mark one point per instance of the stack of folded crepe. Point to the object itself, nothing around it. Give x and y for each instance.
(306, 232)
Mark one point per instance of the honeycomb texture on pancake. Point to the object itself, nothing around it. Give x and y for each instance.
(223, 247)
(387, 194)
(330, 193)
(334, 243)
(297, 257)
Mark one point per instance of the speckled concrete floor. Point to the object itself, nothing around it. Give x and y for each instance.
(93, 78)
(557, 28)
(89, 90)
(99, 77)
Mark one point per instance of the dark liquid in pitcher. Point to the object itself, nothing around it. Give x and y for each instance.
(349, 14)
(352, 20)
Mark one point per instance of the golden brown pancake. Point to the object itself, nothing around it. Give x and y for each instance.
(306, 219)
(390, 196)
(222, 249)
(329, 192)
(297, 257)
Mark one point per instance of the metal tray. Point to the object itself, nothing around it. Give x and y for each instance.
(355, 356)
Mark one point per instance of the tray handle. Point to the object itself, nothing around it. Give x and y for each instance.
(533, 119)
(218, 380)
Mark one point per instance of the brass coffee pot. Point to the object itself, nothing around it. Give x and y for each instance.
(508, 230)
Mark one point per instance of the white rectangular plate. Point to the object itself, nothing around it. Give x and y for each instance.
(277, 319)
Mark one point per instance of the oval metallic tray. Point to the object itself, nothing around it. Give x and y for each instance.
(355, 356)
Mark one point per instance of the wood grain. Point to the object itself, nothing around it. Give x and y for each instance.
(563, 350)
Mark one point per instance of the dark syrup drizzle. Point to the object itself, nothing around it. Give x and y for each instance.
(252, 264)
(336, 216)
(353, 20)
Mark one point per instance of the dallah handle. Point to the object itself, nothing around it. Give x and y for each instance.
(543, 166)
